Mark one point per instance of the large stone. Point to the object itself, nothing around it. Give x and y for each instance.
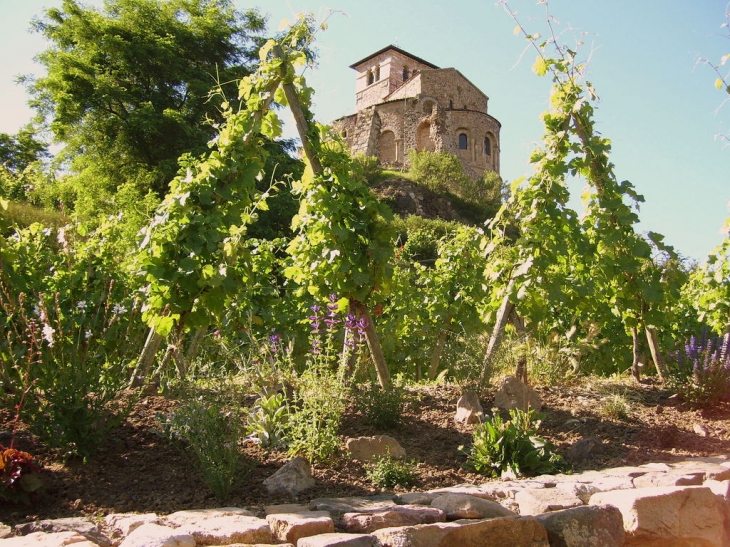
(5, 531)
(339, 506)
(681, 516)
(43, 539)
(338, 540)
(82, 526)
(468, 409)
(293, 477)
(154, 535)
(497, 532)
(670, 478)
(463, 506)
(365, 449)
(541, 500)
(180, 518)
(582, 491)
(584, 449)
(123, 524)
(415, 498)
(291, 527)
(229, 529)
(587, 526)
(485, 491)
(401, 515)
(513, 393)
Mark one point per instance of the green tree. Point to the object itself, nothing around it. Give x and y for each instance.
(127, 87)
(20, 151)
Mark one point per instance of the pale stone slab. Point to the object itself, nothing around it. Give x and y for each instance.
(537, 501)
(482, 491)
(401, 515)
(286, 508)
(79, 525)
(5, 531)
(671, 478)
(43, 539)
(291, 527)
(154, 535)
(581, 490)
(587, 526)
(468, 409)
(463, 506)
(681, 515)
(497, 532)
(293, 477)
(122, 524)
(416, 498)
(339, 506)
(338, 540)
(513, 393)
(194, 515)
(229, 529)
(365, 449)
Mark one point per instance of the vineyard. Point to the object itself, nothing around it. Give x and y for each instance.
(266, 295)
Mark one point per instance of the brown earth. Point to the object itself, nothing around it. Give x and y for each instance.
(139, 470)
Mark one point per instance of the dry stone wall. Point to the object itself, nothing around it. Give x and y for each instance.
(686, 505)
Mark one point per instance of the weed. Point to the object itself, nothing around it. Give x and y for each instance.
(267, 421)
(388, 472)
(381, 407)
(615, 407)
(512, 447)
(209, 434)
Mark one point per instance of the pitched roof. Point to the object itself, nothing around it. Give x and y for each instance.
(397, 49)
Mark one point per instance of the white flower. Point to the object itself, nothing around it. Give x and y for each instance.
(81, 304)
(118, 309)
(46, 232)
(88, 334)
(48, 334)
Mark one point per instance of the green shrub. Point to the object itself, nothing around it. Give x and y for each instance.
(209, 433)
(476, 199)
(512, 447)
(381, 407)
(388, 472)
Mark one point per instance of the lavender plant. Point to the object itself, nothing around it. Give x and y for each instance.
(321, 394)
(701, 372)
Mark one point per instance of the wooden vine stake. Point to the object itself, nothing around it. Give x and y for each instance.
(360, 309)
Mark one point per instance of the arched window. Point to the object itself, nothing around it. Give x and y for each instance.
(405, 73)
(377, 73)
(370, 77)
(487, 146)
(463, 142)
(343, 134)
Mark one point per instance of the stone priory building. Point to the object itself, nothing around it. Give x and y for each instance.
(405, 103)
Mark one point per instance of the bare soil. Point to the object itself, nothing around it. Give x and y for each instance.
(139, 470)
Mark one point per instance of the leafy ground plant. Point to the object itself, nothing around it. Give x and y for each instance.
(389, 472)
(512, 447)
(19, 475)
(267, 421)
(209, 434)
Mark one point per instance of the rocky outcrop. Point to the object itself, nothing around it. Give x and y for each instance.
(620, 507)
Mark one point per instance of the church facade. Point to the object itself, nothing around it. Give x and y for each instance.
(405, 103)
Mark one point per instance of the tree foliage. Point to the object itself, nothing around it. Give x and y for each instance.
(127, 88)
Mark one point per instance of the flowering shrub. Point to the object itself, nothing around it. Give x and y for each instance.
(701, 373)
(320, 396)
(69, 330)
(19, 476)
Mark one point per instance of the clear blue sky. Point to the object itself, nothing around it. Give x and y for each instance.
(659, 108)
